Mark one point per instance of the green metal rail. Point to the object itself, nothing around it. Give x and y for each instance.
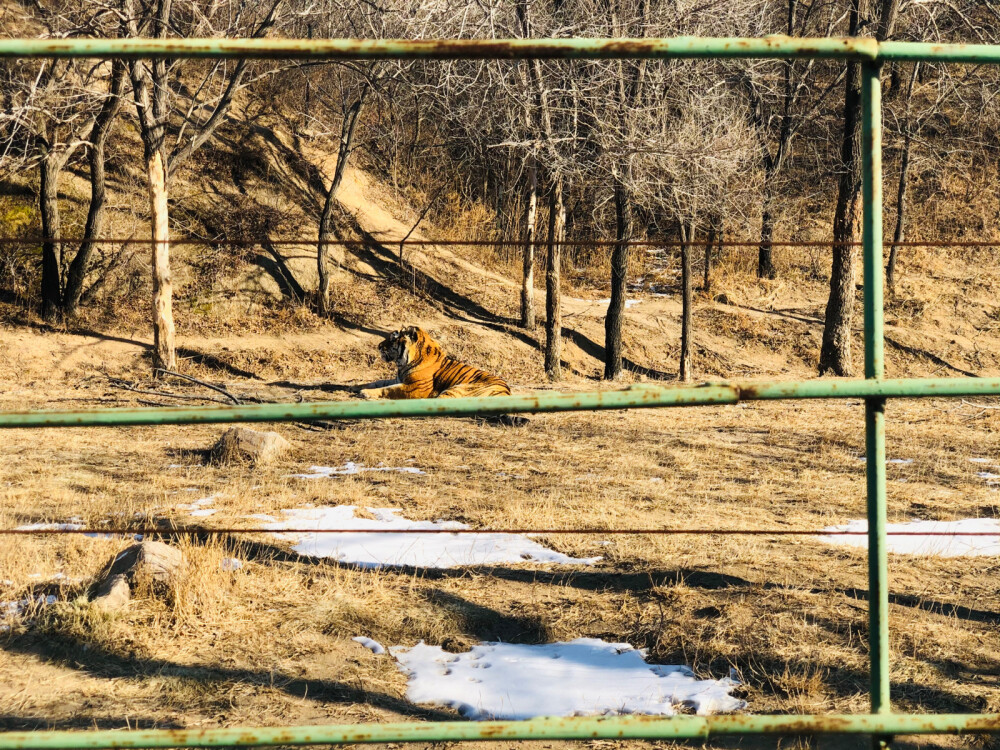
(874, 390)
(548, 728)
(636, 397)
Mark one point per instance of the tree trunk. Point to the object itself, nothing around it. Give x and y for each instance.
(528, 261)
(898, 234)
(904, 167)
(619, 275)
(347, 129)
(835, 355)
(707, 282)
(765, 253)
(687, 237)
(553, 310)
(95, 223)
(164, 355)
(150, 90)
(48, 206)
(95, 213)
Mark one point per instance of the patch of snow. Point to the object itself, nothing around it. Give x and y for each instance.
(230, 563)
(951, 545)
(323, 472)
(49, 527)
(416, 550)
(372, 645)
(981, 460)
(583, 677)
(69, 527)
(987, 475)
(864, 459)
(628, 302)
(198, 505)
(16, 608)
(202, 512)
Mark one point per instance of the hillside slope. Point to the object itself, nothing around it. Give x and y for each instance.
(237, 309)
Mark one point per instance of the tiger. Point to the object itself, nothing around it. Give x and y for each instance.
(426, 371)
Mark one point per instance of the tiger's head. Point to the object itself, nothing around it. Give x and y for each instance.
(408, 347)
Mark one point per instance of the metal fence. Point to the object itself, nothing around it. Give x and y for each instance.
(874, 389)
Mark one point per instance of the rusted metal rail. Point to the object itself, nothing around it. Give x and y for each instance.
(185, 241)
(874, 389)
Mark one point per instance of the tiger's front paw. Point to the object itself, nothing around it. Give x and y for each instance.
(370, 393)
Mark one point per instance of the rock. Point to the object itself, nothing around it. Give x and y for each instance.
(241, 444)
(114, 593)
(155, 561)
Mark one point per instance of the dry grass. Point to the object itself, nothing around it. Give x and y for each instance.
(270, 643)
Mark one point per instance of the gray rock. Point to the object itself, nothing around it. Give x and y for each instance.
(239, 444)
(155, 561)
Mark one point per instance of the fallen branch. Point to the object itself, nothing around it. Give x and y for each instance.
(216, 388)
(163, 394)
(321, 425)
(978, 406)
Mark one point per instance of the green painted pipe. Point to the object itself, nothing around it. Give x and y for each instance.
(775, 46)
(636, 397)
(942, 53)
(878, 557)
(353, 49)
(548, 728)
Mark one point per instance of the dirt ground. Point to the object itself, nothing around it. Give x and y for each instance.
(270, 644)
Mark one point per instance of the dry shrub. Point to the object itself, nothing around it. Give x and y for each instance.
(18, 263)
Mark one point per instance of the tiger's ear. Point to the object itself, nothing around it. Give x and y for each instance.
(411, 333)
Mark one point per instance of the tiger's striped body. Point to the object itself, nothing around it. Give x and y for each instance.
(426, 371)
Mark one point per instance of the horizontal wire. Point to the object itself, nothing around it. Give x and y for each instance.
(155, 530)
(490, 243)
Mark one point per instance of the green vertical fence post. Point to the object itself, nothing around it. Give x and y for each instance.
(878, 563)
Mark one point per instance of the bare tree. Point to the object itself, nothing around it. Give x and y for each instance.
(528, 258)
(349, 125)
(904, 168)
(54, 110)
(78, 268)
(698, 161)
(553, 281)
(154, 94)
(835, 354)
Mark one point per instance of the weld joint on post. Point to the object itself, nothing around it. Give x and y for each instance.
(869, 49)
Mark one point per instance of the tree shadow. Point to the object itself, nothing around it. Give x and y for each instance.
(210, 361)
(373, 253)
(97, 661)
(325, 387)
(487, 624)
(276, 267)
(595, 350)
(15, 723)
(201, 455)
